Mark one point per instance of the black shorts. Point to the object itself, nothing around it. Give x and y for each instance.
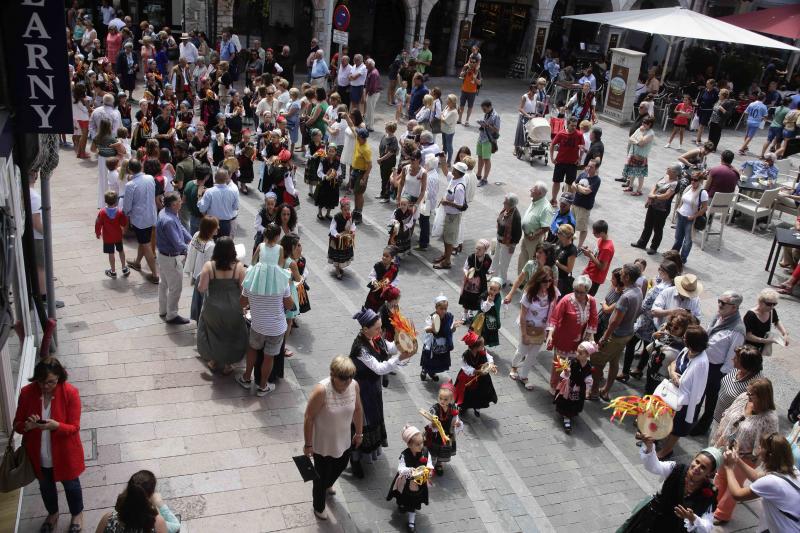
(467, 100)
(143, 235)
(565, 170)
(109, 247)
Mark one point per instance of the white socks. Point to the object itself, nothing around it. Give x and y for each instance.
(411, 516)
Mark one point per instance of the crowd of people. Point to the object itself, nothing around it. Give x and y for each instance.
(214, 122)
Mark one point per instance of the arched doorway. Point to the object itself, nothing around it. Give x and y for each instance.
(376, 29)
(286, 22)
(500, 28)
(438, 29)
(575, 38)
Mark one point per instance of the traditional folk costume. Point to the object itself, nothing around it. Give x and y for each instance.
(380, 278)
(571, 390)
(387, 294)
(400, 229)
(326, 193)
(314, 155)
(491, 318)
(263, 219)
(373, 358)
(340, 243)
(475, 285)
(437, 345)
(411, 490)
(305, 304)
(448, 418)
(474, 389)
(657, 514)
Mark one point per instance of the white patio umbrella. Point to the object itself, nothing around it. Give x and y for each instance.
(677, 23)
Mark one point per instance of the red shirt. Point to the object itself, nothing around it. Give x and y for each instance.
(110, 227)
(604, 254)
(569, 145)
(66, 448)
(681, 120)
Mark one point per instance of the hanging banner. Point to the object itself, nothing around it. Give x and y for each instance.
(35, 32)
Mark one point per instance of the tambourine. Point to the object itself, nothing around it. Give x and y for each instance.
(436, 322)
(653, 415)
(406, 342)
(654, 425)
(471, 272)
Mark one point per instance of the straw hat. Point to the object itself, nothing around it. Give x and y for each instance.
(688, 286)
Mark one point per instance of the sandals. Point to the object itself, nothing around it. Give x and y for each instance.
(636, 374)
(636, 193)
(442, 266)
(74, 528)
(513, 375)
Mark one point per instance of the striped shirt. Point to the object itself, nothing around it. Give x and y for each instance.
(729, 390)
(267, 315)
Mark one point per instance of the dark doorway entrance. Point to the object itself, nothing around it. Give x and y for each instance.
(438, 31)
(500, 29)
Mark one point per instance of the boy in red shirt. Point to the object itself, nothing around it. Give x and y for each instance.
(683, 113)
(566, 162)
(599, 259)
(110, 223)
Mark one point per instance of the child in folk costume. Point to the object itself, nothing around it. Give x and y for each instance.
(246, 173)
(447, 412)
(474, 388)
(575, 380)
(326, 193)
(490, 307)
(384, 273)
(315, 153)
(265, 277)
(402, 225)
(476, 268)
(410, 484)
(341, 241)
(438, 343)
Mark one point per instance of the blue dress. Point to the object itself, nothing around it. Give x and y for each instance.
(266, 278)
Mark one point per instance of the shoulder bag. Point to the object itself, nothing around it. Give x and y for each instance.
(16, 470)
(701, 221)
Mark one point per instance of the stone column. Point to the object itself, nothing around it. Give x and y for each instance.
(224, 19)
(541, 28)
(323, 25)
(466, 11)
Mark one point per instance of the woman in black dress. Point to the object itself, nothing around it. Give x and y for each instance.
(474, 388)
(687, 497)
(326, 193)
(373, 357)
(476, 270)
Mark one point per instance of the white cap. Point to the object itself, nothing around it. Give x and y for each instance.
(439, 299)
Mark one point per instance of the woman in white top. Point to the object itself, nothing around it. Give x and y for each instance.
(535, 307)
(449, 117)
(693, 204)
(527, 110)
(333, 405)
(425, 114)
(199, 251)
(688, 373)
(777, 483)
(471, 184)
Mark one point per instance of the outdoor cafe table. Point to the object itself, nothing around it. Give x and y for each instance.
(783, 237)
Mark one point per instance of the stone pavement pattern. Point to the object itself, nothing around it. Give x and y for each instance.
(223, 458)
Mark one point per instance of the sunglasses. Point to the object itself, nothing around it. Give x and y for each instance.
(771, 304)
(723, 302)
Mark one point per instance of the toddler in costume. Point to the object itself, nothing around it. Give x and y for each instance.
(265, 277)
(447, 412)
(438, 343)
(571, 391)
(411, 493)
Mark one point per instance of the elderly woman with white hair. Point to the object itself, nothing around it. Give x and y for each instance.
(430, 199)
(509, 233)
(758, 322)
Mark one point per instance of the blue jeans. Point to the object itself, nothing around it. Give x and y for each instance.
(683, 236)
(72, 490)
(424, 231)
(447, 145)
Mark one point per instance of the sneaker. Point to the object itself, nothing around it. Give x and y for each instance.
(126, 271)
(652, 251)
(383, 201)
(423, 376)
(245, 383)
(266, 390)
(111, 274)
(637, 245)
(378, 197)
(668, 145)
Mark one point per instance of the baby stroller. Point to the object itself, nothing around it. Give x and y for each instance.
(537, 140)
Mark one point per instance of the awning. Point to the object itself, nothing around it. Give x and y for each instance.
(678, 22)
(781, 21)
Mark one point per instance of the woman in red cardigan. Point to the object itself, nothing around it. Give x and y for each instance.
(49, 419)
(573, 321)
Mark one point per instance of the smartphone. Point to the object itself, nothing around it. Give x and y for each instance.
(41, 422)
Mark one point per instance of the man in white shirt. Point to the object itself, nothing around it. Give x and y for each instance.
(106, 111)
(684, 294)
(358, 77)
(107, 11)
(454, 201)
(188, 50)
(343, 79)
(725, 333)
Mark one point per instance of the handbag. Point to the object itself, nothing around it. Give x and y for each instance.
(536, 334)
(701, 221)
(16, 470)
(671, 395)
(695, 123)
